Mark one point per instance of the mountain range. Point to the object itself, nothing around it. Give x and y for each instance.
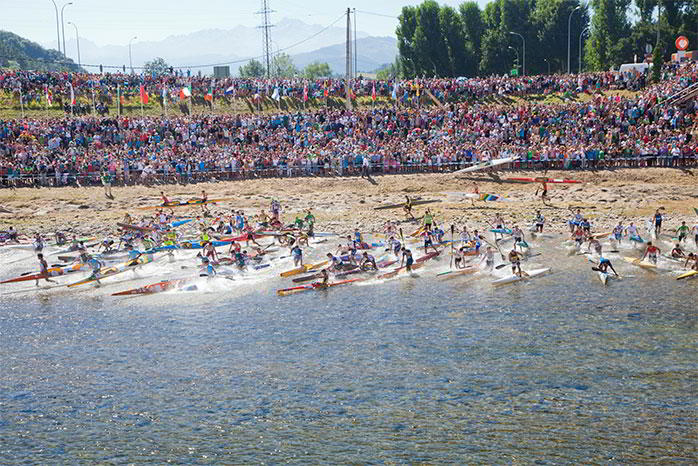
(305, 43)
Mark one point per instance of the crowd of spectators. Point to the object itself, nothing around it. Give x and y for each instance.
(606, 129)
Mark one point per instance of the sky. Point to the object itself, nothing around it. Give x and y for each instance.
(106, 22)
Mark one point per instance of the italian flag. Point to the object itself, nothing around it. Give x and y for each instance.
(144, 95)
(209, 95)
(373, 92)
(185, 93)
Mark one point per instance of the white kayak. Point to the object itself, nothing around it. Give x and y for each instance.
(488, 164)
(603, 277)
(515, 278)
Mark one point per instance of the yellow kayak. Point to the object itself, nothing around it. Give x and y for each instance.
(690, 273)
(640, 263)
(303, 269)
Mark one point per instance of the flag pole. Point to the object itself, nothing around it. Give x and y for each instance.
(118, 100)
(46, 97)
(164, 99)
(94, 107)
(141, 93)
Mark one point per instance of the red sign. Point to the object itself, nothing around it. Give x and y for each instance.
(681, 43)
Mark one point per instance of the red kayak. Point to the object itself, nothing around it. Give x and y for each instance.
(52, 272)
(154, 288)
(315, 286)
(543, 180)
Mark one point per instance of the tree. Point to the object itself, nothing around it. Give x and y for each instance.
(252, 69)
(473, 29)
(431, 56)
(388, 72)
(317, 70)
(454, 37)
(282, 66)
(609, 28)
(407, 23)
(156, 67)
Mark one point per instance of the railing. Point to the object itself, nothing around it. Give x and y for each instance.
(136, 177)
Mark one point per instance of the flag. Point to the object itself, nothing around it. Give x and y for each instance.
(326, 92)
(305, 92)
(164, 94)
(144, 95)
(276, 95)
(395, 89)
(122, 101)
(373, 92)
(185, 93)
(49, 96)
(72, 94)
(230, 90)
(209, 95)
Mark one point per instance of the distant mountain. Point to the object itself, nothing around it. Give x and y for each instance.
(18, 52)
(213, 45)
(372, 53)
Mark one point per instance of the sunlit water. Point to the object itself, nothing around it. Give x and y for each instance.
(559, 369)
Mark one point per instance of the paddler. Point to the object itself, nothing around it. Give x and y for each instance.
(204, 201)
(576, 220)
(689, 258)
(38, 243)
(325, 275)
(60, 238)
(488, 257)
(133, 254)
(234, 248)
(515, 261)
(539, 221)
(210, 251)
(368, 262)
(682, 231)
(43, 269)
(127, 219)
(207, 269)
(275, 209)
(594, 243)
(618, 232)
(651, 253)
(695, 233)
(578, 236)
(241, 259)
(586, 226)
(498, 225)
(335, 262)
(298, 222)
(407, 208)
(428, 220)
(358, 238)
(604, 265)
(107, 243)
(658, 222)
(12, 234)
(429, 240)
(395, 246)
(407, 259)
(677, 252)
(297, 254)
(459, 258)
(170, 237)
(309, 219)
(518, 236)
(147, 242)
(544, 194)
(631, 232)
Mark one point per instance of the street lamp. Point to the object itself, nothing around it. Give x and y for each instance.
(524, 50)
(130, 59)
(77, 40)
(63, 25)
(584, 31)
(58, 29)
(517, 56)
(569, 34)
(546, 61)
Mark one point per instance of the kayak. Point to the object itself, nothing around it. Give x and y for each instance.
(501, 231)
(417, 264)
(603, 277)
(457, 273)
(402, 204)
(543, 180)
(484, 197)
(515, 278)
(381, 265)
(189, 203)
(488, 164)
(691, 273)
(302, 269)
(105, 272)
(637, 239)
(52, 272)
(154, 288)
(315, 286)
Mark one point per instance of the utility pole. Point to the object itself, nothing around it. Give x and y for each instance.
(266, 35)
(356, 56)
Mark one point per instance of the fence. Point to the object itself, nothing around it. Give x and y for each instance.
(137, 177)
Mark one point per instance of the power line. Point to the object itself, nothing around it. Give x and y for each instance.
(377, 14)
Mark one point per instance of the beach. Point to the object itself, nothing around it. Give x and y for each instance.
(342, 204)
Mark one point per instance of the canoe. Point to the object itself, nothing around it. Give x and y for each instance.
(544, 180)
(189, 203)
(488, 164)
(154, 288)
(302, 269)
(515, 278)
(402, 204)
(105, 272)
(315, 286)
(449, 274)
(603, 277)
(417, 264)
(501, 231)
(52, 272)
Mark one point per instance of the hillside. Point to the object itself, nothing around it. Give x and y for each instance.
(19, 53)
(373, 52)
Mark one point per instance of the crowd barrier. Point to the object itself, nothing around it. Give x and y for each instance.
(161, 177)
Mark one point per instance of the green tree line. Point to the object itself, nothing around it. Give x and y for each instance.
(442, 41)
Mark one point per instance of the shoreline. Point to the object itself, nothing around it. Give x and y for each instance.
(342, 204)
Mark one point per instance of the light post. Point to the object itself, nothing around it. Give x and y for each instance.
(569, 35)
(524, 51)
(584, 31)
(77, 40)
(63, 25)
(546, 61)
(517, 56)
(58, 29)
(130, 59)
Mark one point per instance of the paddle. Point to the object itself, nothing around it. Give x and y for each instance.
(501, 266)
(450, 266)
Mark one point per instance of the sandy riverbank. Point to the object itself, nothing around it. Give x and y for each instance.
(341, 204)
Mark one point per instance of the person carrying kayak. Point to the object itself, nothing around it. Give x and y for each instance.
(43, 269)
(651, 253)
(604, 265)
